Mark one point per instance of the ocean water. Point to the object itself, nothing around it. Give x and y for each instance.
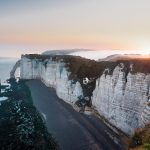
(6, 66)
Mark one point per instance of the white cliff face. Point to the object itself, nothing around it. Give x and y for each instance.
(122, 100)
(52, 74)
(48, 73)
(73, 90)
(29, 69)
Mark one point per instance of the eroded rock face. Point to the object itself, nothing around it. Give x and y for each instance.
(122, 99)
(12, 73)
(52, 74)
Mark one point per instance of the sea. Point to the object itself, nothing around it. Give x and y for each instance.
(6, 65)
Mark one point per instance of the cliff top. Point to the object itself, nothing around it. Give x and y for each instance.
(82, 68)
(92, 68)
(87, 67)
(117, 57)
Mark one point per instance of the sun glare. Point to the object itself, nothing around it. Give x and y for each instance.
(143, 52)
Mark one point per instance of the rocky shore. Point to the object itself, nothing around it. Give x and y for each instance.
(21, 125)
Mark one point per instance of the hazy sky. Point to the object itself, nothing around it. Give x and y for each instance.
(29, 26)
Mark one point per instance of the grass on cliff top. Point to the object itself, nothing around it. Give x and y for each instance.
(81, 68)
(141, 65)
(91, 68)
(141, 139)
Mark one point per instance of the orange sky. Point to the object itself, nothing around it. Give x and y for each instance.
(34, 26)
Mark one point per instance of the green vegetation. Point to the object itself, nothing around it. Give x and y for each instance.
(146, 146)
(76, 62)
(141, 139)
(21, 126)
(140, 65)
(42, 58)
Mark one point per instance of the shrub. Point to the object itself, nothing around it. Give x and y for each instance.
(146, 146)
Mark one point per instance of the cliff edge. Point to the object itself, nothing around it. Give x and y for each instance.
(119, 90)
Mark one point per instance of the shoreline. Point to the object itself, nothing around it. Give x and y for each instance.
(21, 125)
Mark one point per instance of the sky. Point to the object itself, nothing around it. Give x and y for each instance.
(33, 26)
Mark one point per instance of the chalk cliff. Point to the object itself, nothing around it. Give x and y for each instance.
(120, 94)
(53, 74)
(123, 99)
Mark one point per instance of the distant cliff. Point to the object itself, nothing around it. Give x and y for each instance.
(118, 90)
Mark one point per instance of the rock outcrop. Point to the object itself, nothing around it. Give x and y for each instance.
(121, 95)
(12, 73)
(53, 74)
(123, 99)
